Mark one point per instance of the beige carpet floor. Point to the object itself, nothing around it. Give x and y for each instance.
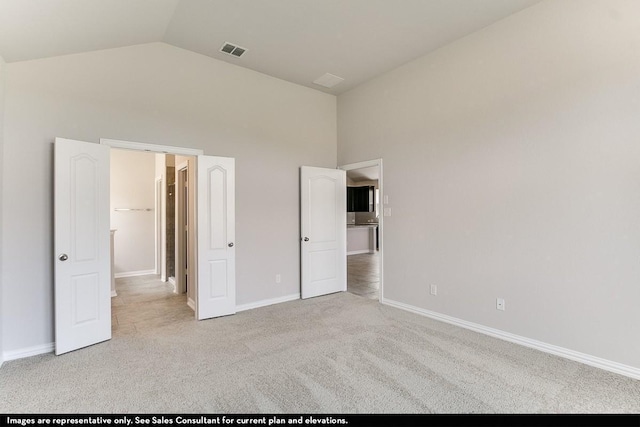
(339, 353)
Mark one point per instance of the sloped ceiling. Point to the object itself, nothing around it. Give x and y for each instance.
(294, 40)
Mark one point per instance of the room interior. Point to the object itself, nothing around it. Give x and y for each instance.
(508, 131)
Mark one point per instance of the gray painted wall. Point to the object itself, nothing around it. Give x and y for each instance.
(159, 94)
(512, 166)
(2, 84)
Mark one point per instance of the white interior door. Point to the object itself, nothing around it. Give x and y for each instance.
(216, 237)
(323, 205)
(82, 244)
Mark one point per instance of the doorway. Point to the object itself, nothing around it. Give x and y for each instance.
(144, 225)
(82, 285)
(364, 229)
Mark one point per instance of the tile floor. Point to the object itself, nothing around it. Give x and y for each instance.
(363, 275)
(145, 302)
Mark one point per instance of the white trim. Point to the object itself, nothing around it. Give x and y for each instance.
(134, 273)
(191, 303)
(367, 164)
(180, 271)
(114, 294)
(576, 356)
(154, 148)
(158, 225)
(28, 352)
(266, 302)
(360, 165)
(360, 251)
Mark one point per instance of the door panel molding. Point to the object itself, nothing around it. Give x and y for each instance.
(82, 264)
(323, 223)
(216, 237)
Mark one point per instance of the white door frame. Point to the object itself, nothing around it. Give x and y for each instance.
(153, 148)
(179, 229)
(368, 164)
(182, 244)
(159, 228)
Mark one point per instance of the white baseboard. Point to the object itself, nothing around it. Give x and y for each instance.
(48, 348)
(133, 273)
(28, 352)
(114, 294)
(267, 302)
(576, 356)
(362, 251)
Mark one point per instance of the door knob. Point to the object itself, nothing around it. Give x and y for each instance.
(306, 239)
(63, 257)
(231, 244)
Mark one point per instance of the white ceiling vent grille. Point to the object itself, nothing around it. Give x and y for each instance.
(232, 49)
(328, 80)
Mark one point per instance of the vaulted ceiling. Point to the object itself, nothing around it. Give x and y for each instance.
(294, 40)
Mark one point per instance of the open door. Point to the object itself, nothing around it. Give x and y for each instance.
(216, 279)
(82, 245)
(323, 207)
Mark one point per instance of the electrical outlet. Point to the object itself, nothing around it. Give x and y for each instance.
(278, 278)
(434, 290)
(500, 304)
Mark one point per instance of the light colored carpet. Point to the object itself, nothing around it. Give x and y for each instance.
(339, 353)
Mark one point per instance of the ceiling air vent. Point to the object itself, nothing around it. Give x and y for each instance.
(232, 49)
(328, 80)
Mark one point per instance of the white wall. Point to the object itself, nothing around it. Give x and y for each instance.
(159, 94)
(512, 165)
(133, 187)
(2, 84)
